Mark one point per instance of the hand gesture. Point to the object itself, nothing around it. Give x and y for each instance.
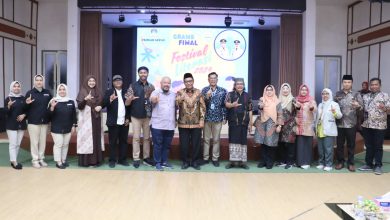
(155, 99)
(297, 104)
(332, 109)
(209, 93)
(250, 128)
(261, 103)
(127, 122)
(236, 104)
(278, 129)
(98, 108)
(113, 97)
(10, 103)
(88, 97)
(53, 104)
(201, 124)
(20, 117)
(29, 100)
(381, 106)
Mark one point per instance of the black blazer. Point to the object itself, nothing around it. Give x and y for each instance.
(37, 111)
(112, 108)
(63, 117)
(17, 109)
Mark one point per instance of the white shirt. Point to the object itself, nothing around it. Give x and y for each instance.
(121, 108)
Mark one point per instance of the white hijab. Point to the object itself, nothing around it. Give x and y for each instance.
(11, 90)
(286, 101)
(59, 98)
(43, 80)
(327, 105)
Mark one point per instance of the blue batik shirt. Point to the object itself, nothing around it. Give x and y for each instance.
(215, 105)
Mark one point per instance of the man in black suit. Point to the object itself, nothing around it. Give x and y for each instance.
(118, 120)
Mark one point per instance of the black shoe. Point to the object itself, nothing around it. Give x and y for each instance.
(66, 164)
(269, 167)
(185, 166)
(261, 165)
(203, 162)
(149, 162)
(124, 163)
(196, 166)
(136, 163)
(111, 164)
(216, 163)
(288, 166)
(60, 166)
(17, 167)
(244, 166)
(229, 166)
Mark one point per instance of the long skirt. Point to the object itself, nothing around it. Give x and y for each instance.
(304, 150)
(238, 141)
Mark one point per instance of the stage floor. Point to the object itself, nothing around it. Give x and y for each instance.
(117, 194)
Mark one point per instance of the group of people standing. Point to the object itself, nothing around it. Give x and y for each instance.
(285, 122)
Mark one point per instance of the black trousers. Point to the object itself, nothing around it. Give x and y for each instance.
(187, 136)
(287, 152)
(268, 155)
(373, 139)
(117, 137)
(348, 134)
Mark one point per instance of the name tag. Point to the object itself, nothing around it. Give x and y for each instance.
(69, 104)
(46, 95)
(212, 106)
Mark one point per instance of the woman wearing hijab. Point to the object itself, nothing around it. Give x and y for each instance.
(15, 121)
(328, 112)
(63, 122)
(287, 135)
(268, 126)
(37, 100)
(90, 143)
(239, 115)
(306, 110)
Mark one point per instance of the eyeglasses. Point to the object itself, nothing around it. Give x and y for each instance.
(188, 81)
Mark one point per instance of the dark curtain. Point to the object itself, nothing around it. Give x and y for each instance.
(290, 70)
(91, 46)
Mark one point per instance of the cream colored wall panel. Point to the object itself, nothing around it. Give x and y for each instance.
(385, 11)
(8, 62)
(349, 62)
(8, 9)
(23, 64)
(3, 87)
(34, 58)
(359, 66)
(34, 20)
(361, 18)
(1, 8)
(23, 12)
(350, 20)
(375, 13)
(385, 66)
(374, 60)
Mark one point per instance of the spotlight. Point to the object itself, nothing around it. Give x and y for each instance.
(121, 18)
(188, 19)
(154, 18)
(228, 21)
(261, 20)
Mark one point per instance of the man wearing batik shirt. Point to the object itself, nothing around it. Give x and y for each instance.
(137, 97)
(190, 122)
(350, 104)
(214, 97)
(376, 109)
